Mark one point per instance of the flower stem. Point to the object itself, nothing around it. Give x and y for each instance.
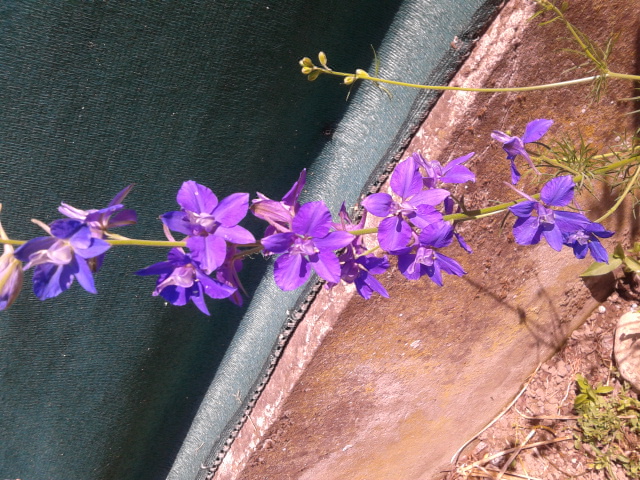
(362, 75)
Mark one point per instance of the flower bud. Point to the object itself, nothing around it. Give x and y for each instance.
(306, 62)
(349, 80)
(361, 73)
(322, 58)
(307, 70)
(313, 75)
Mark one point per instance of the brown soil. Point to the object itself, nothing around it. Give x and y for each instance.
(546, 407)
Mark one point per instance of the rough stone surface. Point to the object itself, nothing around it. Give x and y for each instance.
(627, 348)
(397, 385)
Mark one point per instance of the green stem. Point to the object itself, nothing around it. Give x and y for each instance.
(147, 243)
(624, 76)
(143, 243)
(361, 75)
(629, 186)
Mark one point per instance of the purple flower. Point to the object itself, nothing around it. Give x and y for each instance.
(423, 259)
(586, 239)
(279, 214)
(355, 265)
(101, 221)
(514, 146)
(309, 245)
(182, 280)
(61, 257)
(536, 219)
(415, 207)
(452, 172)
(209, 224)
(11, 274)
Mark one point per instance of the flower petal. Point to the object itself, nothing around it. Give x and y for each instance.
(334, 241)
(406, 179)
(278, 243)
(291, 271)
(237, 234)
(291, 197)
(393, 233)
(209, 251)
(526, 231)
(378, 204)
(437, 235)
(326, 265)
(84, 275)
(523, 209)
(177, 221)
(558, 191)
(313, 219)
(196, 198)
(51, 280)
(449, 265)
(232, 209)
(535, 130)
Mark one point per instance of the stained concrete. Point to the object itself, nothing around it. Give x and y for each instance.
(390, 388)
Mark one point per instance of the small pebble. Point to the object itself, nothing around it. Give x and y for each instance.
(602, 309)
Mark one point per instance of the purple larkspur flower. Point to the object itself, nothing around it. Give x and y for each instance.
(415, 207)
(587, 239)
(452, 172)
(60, 258)
(101, 221)
(356, 266)
(11, 274)
(514, 146)
(182, 280)
(209, 224)
(279, 214)
(536, 219)
(310, 244)
(423, 258)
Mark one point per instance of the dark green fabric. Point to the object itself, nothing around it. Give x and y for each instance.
(97, 95)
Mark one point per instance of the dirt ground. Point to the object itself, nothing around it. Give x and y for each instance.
(546, 408)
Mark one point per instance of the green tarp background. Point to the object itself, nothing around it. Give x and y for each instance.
(97, 95)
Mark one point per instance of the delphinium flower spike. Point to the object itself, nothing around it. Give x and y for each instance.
(514, 146)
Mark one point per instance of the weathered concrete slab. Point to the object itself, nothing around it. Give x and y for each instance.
(389, 389)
